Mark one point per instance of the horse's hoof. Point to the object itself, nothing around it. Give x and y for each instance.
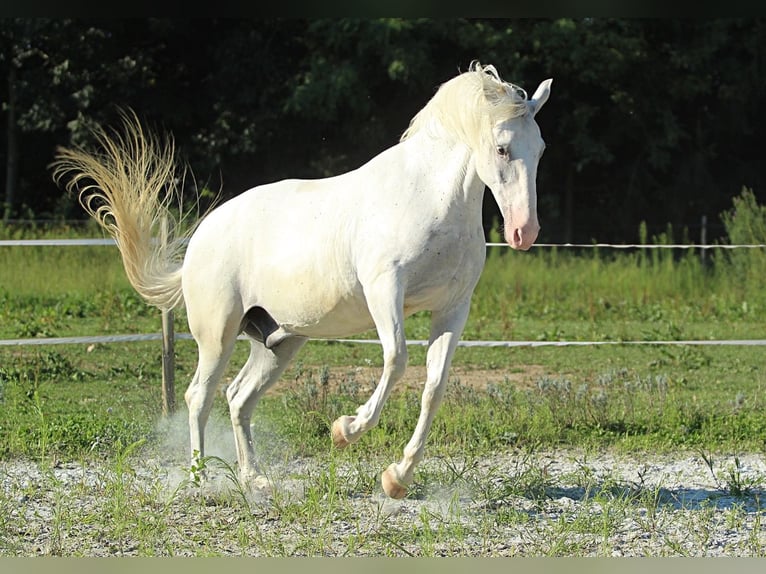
(255, 482)
(261, 483)
(338, 436)
(391, 485)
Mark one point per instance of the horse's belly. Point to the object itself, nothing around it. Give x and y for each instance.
(319, 311)
(318, 317)
(334, 324)
(342, 320)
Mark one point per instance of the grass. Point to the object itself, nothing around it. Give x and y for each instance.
(100, 405)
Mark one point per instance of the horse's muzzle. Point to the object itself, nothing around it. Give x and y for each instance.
(522, 238)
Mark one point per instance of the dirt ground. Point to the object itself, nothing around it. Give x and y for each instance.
(415, 375)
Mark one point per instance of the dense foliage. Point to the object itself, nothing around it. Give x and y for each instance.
(650, 120)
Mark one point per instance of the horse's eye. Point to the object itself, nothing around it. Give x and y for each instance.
(501, 151)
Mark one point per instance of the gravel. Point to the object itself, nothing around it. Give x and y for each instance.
(517, 503)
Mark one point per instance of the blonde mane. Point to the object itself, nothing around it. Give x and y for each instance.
(468, 105)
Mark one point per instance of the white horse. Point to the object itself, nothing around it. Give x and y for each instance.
(326, 258)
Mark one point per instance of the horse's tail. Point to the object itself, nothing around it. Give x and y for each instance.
(128, 188)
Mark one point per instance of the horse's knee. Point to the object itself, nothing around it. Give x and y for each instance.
(396, 363)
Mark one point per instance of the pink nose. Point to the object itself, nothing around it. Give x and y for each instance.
(522, 238)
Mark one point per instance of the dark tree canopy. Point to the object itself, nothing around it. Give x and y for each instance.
(654, 120)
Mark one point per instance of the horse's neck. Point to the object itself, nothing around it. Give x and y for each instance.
(448, 169)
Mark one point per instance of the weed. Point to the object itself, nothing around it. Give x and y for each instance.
(731, 479)
(197, 471)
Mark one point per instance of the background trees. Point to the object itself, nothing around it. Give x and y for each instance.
(652, 120)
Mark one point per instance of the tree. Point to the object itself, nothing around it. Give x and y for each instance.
(652, 120)
(62, 75)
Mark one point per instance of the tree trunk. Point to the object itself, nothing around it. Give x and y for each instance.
(12, 157)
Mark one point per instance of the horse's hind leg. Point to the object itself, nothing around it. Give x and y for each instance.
(262, 369)
(200, 394)
(446, 329)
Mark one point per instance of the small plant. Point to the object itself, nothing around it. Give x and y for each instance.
(731, 479)
(43, 434)
(232, 476)
(198, 470)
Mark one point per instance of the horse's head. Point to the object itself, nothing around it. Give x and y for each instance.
(506, 162)
(497, 122)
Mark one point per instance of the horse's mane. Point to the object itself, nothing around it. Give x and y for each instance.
(468, 105)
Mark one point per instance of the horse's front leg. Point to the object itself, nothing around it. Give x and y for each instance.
(385, 300)
(446, 329)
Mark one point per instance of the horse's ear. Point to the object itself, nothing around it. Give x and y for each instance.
(541, 96)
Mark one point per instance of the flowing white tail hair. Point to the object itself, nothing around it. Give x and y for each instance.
(130, 187)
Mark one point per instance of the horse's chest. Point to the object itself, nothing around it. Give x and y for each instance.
(443, 271)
